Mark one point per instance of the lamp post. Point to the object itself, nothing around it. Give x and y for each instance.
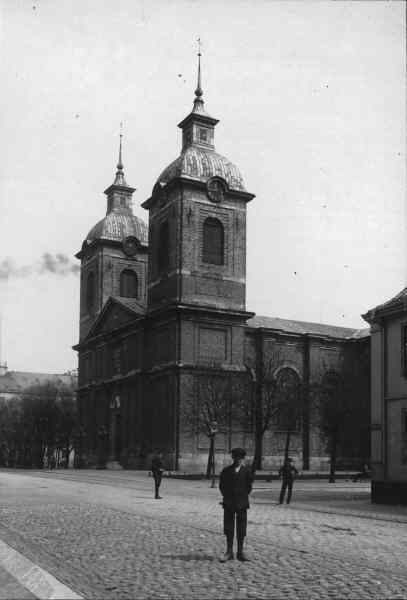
(212, 431)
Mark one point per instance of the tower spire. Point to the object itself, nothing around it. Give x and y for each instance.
(120, 180)
(120, 164)
(198, 101)
(198, 91)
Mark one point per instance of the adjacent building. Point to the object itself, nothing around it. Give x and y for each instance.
(389, 400)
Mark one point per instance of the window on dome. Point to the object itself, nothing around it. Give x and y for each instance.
(90, 292)
(203, 135)
(128, 284)
(163, 247)
(213, 242)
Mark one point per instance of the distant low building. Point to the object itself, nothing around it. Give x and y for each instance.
(389, 400)
(15, 384)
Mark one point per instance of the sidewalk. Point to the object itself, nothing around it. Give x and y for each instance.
(11, 589)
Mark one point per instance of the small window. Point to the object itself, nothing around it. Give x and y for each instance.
(213, 242)
(163, 247)
(90, 292)
(117, 360)
(203, 135)
(404, 350)
(128, 284)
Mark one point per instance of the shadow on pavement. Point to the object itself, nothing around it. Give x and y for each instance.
(189, 557)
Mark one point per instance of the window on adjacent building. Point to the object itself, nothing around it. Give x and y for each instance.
(404, 350)
(213, 242)
(128, 284)
(90, 292)
(404, 436)
(163, 246)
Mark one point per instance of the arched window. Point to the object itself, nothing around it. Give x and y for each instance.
(90, 292)
(128, 284)
(163, 247)
(288, 400)
(213, 242)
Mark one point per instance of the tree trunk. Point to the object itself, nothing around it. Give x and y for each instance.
(209, 466)
(287, 445)
(258, 445)
(67, 454)
(334, 444)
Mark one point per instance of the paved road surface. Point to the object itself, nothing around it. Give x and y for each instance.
(102, 534)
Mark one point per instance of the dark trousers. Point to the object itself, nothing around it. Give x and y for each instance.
(286, 485)
(157, 482)
(230, 516)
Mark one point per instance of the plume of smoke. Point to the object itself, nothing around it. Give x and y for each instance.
(56, 264)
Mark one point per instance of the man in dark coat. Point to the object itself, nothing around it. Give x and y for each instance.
(157, 471)
(235, 486)
(287, 472)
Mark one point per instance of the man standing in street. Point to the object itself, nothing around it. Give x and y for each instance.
(157, 471)
(287, 472)
(235, 486)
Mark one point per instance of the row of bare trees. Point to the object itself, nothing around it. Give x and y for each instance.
(38, 428)
(337, 405)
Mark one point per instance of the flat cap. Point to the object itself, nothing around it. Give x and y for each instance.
(238, 452)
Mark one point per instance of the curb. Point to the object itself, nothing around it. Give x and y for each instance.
(37, 581)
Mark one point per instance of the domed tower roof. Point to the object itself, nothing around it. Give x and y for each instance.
(202, 164)
(198, 160)
(116, 226)
(119, 222)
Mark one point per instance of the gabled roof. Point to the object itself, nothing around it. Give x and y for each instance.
(130, 305)
(396, 304)
(303, 327)
(15, 382)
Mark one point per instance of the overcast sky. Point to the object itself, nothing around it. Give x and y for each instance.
(311, 102)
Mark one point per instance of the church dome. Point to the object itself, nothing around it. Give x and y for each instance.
(200, 164)
(117, 226)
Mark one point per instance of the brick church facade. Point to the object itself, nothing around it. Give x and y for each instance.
(167, 343)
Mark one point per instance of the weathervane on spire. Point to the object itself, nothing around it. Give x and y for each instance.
(198, 91)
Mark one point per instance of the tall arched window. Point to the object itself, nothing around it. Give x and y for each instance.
(163, 246)
(288, 400)
(213, 242)
(128, 284)
(90, 292)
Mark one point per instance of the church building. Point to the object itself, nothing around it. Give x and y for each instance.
(167, 345)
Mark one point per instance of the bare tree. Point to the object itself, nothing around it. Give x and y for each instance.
(38, 425)
(214, 394)
(341, 400)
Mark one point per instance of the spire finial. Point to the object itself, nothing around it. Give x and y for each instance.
(120, 164)
(120, 180)
(198, 91)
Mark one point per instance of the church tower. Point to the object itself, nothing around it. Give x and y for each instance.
(114, 254)
(196, 307)
(197, 222)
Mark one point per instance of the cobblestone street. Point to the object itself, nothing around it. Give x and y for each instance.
(102, 534)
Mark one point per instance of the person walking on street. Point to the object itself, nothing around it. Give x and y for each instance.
(287, 472)
(235, 485)
(157, 471)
